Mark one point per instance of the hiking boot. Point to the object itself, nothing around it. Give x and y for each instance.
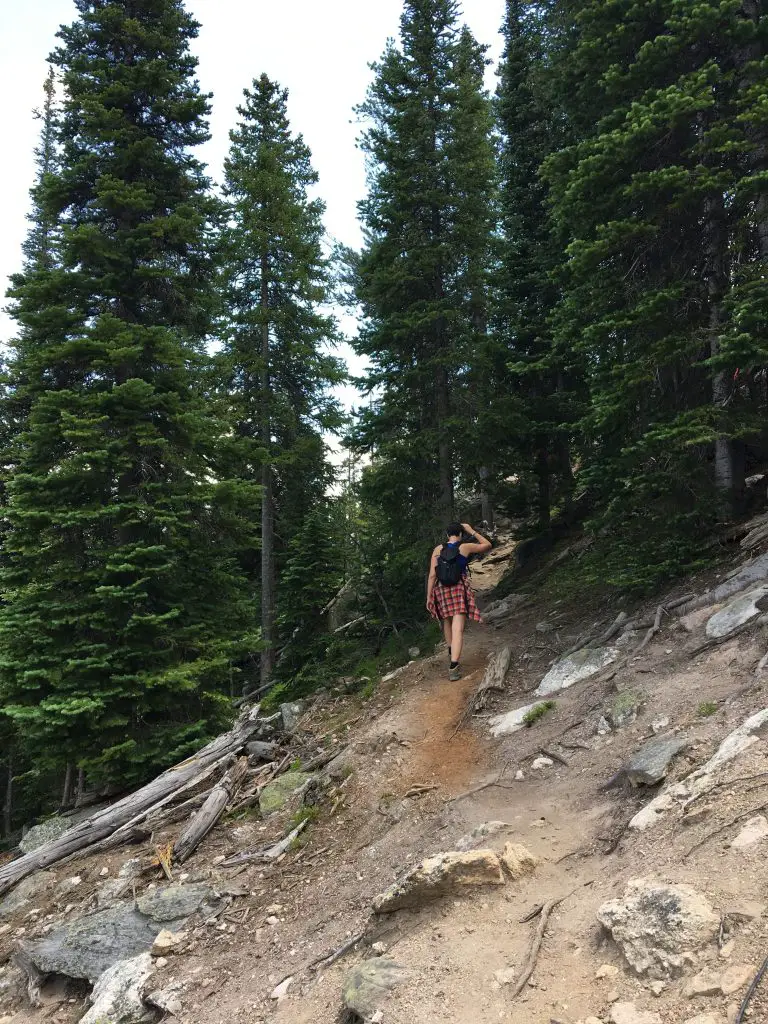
(454, 673)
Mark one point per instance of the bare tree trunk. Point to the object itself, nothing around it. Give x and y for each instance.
(542, 473)
(66, 796)
(267, 498)
(80, 788)
(729, 469)
(8, 805)
(445, 467)
(486, 505)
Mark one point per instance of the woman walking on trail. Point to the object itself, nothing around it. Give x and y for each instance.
(449, 595)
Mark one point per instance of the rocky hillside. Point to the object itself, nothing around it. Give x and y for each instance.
(574, 832)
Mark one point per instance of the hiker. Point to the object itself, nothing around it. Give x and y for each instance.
(449, 594)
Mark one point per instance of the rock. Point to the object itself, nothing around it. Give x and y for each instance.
(519, 775)
(436, 876)
(737, 612)
(267, 728)
(655, 923)
(603, 726)
(45, 832)
(413, 653)
(571, 670)
(27, 890)
(545, 627)
(693, 622)
(657, 987)
(281, 991)
(167, 999)
(116, 996)
(472, 839)
(746, 910)
(606, 971)
(261, 750)
(727, 950)
(173, 902)
(650, 764)
(279, 791)
(736, 977)
(130, 868)
(660, 724)
(706, 983)
(755, 830)
(517, 861)
(628, 1013)
(624, 710)
(166, 941)
(511, 722)
(367, 985)
(507, 975)
(291, 713)
(704, 1018)
(542, 762)
(104, 873)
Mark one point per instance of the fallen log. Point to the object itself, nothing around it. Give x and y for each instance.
(203, 821)
(162, 790)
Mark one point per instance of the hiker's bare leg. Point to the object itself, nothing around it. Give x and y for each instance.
(458, 622)
(447, 631)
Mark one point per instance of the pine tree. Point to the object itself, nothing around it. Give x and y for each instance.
(422, 279)
(276, 366)
(123, 604)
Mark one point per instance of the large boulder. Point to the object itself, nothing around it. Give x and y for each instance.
(88, 946)
(656, 924)
(650, 764)
(571, 670)
(737, 612)
(439, 875)
(45, 832)
(367, 985)
(279, 791)
(116, 996)
(26, 891)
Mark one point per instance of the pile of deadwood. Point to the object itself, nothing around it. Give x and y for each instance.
(200, 790)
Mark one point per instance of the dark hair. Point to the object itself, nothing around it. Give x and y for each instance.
(454, 530)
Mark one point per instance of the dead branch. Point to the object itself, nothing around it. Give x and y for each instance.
(162, 790)
(269, 853)
(336, 954)
(533, 953)
(554, 756)
(660, 612)
(201, 824)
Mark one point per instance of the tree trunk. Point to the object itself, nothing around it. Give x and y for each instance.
(80, 789)
(542, 473)
(486, 506)
(445, 467)
(267, 498)
(8, 805)
(66, 796)
(729, 468)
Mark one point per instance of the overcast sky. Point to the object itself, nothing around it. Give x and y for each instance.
(318, 49)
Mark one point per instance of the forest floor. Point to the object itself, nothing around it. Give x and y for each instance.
(415, 777)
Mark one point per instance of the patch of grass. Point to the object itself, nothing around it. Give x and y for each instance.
(707, 709)
(295, 765)
(537, 713)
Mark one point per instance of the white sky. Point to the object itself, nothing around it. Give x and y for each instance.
(318, 49)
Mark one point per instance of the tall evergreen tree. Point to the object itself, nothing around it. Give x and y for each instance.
(422, 279)
(122, 603)
(276, 365)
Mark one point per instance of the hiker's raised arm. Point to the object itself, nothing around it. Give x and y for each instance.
(432, 578)
(482, 545)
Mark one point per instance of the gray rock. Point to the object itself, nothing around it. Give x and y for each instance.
(367, 985)
(512, 721)
(45, 832)
(737, 612)
(116, 996)
(571, 670)
(414, 652)
(267, 728)
(261, 750)
(87, 947)
(438, 876)
(167, 999)
(480, 833)
(624, 710)
(650, 764)
(174, 902)
(277, 793)
(655, 924)
(291, 713)
(26, 891)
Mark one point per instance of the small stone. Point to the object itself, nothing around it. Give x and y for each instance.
(161, 962)
(281, 991)
(755, 830)
(517, 861)
(542, 762)
(706, 983)
(697, 815)
(166, 941)
(657, 987)
(487, 830)
(660, 724)
(519, 775)
(603, 726)
(272, 921)
(628, 1013)
(726, 951)
(736, 977)
(506, 976)
(218, 860)
(414, 652)
(606, 971)
(379, 948)
(104, 873)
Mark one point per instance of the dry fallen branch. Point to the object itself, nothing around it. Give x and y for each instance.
(213, 808)
(660, 612)
(553, 756)
(330, 958)
(533, 953)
